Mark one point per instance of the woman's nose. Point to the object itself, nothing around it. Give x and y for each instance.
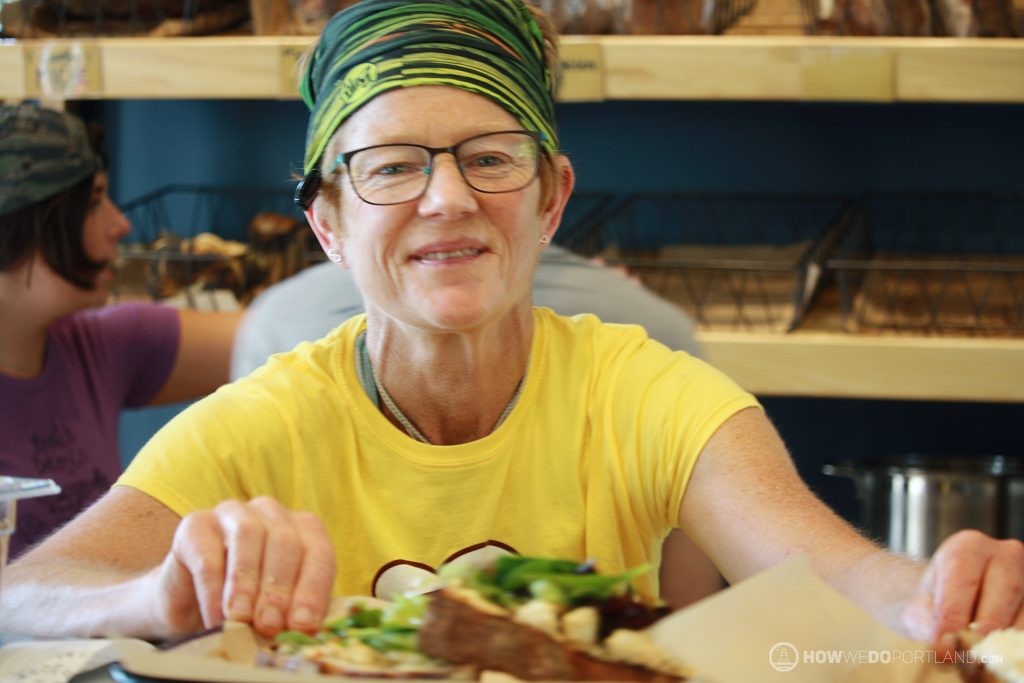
(121, 227)
(447, 190)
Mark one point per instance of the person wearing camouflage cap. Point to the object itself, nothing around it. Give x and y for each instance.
(42, 153)
(68, 364)
(47, 167)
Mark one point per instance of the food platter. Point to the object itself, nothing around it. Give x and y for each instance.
(725, 638)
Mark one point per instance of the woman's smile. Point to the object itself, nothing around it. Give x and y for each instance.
(450, 252)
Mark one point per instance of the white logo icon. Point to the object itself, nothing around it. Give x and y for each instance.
(783, 656)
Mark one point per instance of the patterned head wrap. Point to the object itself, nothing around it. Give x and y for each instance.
(42, 153)
(490, 47)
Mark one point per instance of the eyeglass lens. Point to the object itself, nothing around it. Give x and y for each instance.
(392, 174)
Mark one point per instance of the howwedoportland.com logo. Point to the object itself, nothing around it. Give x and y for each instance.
(783, 656)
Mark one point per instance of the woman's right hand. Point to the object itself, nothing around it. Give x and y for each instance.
(254, 561)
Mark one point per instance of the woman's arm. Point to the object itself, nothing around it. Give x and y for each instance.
(203, 359)
(747, 507)
(129, 567)
(90, 578)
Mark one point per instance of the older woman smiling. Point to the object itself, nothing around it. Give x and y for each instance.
(455, 420)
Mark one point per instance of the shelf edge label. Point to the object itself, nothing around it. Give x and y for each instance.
(63, 70)
(582, 78)
(835, 73)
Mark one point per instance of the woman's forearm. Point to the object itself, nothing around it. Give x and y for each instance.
(66, 598)
(883, 584)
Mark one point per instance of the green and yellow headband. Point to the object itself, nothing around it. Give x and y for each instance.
(490, 47)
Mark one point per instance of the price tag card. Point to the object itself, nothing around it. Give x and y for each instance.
(63, 70)
(582, 72)
(836, 73)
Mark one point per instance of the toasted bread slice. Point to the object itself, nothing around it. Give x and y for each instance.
(995, 657)
(971, 670)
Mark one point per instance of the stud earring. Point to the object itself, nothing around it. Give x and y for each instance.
(544, 239)
(334, 255)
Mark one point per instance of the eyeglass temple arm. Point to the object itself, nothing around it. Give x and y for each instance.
(306, 189)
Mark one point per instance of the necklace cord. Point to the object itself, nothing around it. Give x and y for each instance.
(363, 366)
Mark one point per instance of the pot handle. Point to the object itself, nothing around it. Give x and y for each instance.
(840, 470)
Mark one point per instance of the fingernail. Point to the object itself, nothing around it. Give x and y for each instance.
(302, 615)
(947, 641)
(240, 607)
(270, 618)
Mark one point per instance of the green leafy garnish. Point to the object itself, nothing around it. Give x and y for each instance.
(515, 579)
(295, 638)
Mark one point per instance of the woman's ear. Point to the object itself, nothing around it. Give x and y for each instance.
(326, 235)
(551, 212)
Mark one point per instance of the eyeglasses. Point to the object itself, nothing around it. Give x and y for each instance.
(505, 161)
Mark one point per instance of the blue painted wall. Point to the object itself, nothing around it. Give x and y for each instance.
(623, 146)
(714, 146)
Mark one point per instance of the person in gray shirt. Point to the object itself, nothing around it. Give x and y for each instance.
(308, 305)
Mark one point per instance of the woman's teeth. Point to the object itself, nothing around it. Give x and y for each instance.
(445, 255)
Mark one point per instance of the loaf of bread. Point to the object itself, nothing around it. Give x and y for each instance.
(994, 658)
(586, 17)
(646, 17)
(867, 18)
(993, 18)
(910, 18)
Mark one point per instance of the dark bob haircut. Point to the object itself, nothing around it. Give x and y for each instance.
(54, 229)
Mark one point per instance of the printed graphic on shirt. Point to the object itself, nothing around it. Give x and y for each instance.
(405, 576)
(57, 453)
(55, 450)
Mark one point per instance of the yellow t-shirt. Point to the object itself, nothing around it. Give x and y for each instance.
(591, 463)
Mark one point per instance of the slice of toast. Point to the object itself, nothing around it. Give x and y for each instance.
(971, 669)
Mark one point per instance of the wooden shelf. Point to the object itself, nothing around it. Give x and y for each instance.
(796, 68)
(813, 68)
(849, 366)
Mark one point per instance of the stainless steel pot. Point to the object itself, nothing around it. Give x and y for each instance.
(913, 502)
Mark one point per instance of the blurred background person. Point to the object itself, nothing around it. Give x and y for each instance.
(69, 364)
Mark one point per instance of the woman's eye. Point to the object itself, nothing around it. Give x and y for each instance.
(393, 169)
(487, 160)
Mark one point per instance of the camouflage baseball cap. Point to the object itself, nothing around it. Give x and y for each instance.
(42, 153)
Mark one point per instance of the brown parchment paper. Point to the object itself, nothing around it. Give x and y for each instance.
(736, 635)
(732, 637)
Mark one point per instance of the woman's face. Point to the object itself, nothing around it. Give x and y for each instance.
(455, 258)
(105, 226)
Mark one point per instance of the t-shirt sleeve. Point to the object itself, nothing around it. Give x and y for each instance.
(236, 443)
(140, 343)
(676, 402)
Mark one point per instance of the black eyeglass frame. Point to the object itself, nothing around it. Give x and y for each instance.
(307, 188)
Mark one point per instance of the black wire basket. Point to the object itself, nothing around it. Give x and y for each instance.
(74, 18)
(195, 242)
(933, 264)
(739, 262)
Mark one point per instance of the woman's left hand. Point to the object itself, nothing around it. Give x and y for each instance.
(972, 578)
